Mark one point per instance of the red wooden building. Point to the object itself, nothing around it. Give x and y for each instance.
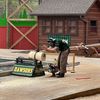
(78, 18)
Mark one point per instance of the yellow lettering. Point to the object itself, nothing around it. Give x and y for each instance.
(21, 69)
(24, 70)
(15, 69)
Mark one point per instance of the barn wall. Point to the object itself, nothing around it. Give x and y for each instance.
(93, 14)
(3, 37)
(24, 43)
(79, 37)
(81, 34)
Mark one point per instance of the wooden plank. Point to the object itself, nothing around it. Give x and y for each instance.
(16, 19)
(73, 68)
(11, 15)
(5, 73)
(93, 45)
(7, 36)
(27, 6)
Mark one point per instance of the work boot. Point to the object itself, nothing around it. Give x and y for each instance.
(53, 75)
(60, 75)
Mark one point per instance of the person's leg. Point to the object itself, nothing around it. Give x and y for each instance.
(63, 63)
(58, 65)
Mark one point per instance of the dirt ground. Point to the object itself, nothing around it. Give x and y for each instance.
(86, 77)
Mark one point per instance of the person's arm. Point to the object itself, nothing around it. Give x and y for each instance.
(52, 49)
(49, 49)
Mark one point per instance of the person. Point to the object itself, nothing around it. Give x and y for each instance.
(63, 57)
(64, 50)
(51, 46)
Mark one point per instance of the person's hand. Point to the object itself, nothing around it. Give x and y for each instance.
(44, 47)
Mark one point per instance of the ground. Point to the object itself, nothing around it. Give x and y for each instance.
(86, 77)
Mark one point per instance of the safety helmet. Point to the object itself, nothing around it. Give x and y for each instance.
(52, 40)
(63, 45)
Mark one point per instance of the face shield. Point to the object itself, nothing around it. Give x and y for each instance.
(51, 42)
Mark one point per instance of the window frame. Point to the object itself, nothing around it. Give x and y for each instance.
(57, 26)
(43, 26)
(73, 26)
(93, 29)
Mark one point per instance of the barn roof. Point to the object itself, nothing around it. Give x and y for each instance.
(63, 7)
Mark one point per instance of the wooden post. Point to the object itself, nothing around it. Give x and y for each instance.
(7, 36)
(73, 69)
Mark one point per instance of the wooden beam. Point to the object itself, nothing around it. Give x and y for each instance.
(16, 19)
(6, 7)
(27, 6)
(17, 9)
(7, 37)
(73, 69)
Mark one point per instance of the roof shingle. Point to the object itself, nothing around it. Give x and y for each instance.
(63, 7)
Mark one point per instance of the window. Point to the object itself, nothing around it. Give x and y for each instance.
(45, 26)
(73, 26)
(59, 26)
(93, 26)
(66, 26)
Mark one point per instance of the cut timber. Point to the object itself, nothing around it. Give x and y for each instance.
(86, 50)
(5, 73)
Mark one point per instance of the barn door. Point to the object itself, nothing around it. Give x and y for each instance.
(23, 41)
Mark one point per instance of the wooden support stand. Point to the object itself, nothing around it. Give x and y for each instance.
(73, 66)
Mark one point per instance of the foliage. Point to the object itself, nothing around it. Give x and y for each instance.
(12, 5)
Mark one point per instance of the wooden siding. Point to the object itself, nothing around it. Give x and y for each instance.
(93, 14)
(3, 37)
(23, 44)
(77, 38)
(83, 29)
